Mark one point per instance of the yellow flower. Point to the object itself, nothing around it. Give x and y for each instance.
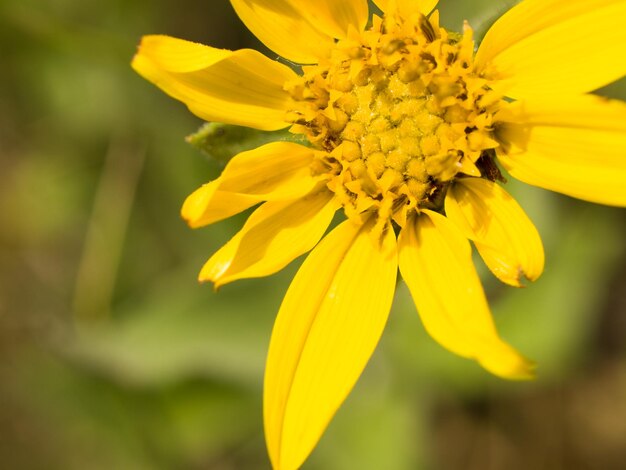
(405, 123)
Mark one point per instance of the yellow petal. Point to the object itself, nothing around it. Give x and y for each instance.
(382, 4)
(282, 26)
(436, 263)
(273, 236)
(557, 46)
(273, 172)
(333, 17)
(407, 7)
(503, 234)
(241, 87)
(328, 326)
(573, 145)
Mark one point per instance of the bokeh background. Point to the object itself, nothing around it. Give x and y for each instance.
(112, 356)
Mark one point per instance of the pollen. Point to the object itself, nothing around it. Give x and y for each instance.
(396, 113)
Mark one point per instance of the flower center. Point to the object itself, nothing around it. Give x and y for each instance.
(396, 112)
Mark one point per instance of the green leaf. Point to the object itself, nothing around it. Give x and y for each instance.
(221, 142)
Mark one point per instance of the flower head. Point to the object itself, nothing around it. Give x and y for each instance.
(406, 125)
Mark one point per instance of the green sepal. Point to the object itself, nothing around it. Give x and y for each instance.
(221, 142)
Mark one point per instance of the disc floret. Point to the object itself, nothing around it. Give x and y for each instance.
(396, 112)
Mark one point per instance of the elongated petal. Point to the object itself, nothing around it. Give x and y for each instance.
(436, 263)
(557, 46)
(283, 27)
(406, 7)
(328, 326)
(241, 87)
(333, 17)
(573, 145)
(273, 236)
(273, 172)
(503, 234)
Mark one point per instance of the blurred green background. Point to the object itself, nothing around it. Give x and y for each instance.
(112, 355)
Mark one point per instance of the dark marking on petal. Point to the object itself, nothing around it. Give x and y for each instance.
(488, 168)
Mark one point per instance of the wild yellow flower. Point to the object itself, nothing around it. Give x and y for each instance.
(406, 124)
